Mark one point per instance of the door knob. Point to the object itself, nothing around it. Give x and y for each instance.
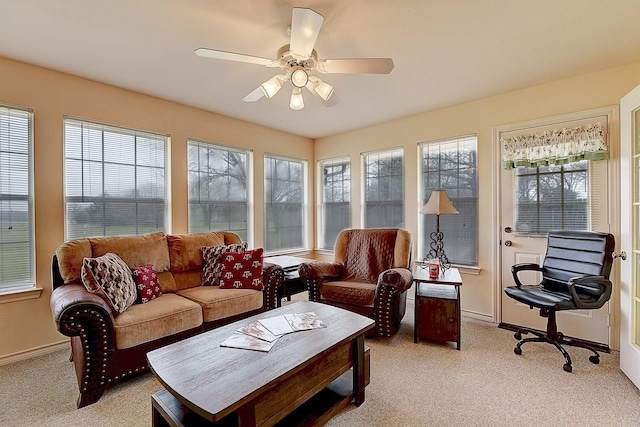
(622, 255)
(508, 243)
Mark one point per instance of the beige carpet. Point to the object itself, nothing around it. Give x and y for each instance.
(425, 384)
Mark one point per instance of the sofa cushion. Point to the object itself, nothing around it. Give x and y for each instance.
(70, 256)
(109, 277)
(222, 303)
(184, 249)
(349, 292)
(147, 283)
(213, 267)
(164, 316)
(135, 250)
(242, 270)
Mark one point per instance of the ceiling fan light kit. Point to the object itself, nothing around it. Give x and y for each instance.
(271, 86)
(298, 59)
(297, 102)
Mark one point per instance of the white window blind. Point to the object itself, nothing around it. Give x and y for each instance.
(114, 180)
(16, 200)
(284, 203)
(452, 165)
(560, 197)
(384, 188)
(335, 200)
(218, 188)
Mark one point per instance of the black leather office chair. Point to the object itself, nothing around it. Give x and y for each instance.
(575, 276)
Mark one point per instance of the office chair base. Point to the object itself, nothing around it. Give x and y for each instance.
(558, 340)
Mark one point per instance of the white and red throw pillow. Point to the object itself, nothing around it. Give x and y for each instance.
(147, 284)
(242, 270)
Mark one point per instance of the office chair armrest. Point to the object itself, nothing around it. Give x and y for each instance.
(515, 269)
(596, 286)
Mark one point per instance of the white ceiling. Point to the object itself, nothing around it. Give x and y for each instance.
(445, 51)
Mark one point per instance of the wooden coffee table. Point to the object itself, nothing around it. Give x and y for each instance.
(306, 369)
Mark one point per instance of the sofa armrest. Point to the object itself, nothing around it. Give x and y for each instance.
(399, 278)
(314, 274)
(76, 311)
(272, 279)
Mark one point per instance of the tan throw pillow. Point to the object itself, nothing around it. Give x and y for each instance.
(109, 277)
(213, 263)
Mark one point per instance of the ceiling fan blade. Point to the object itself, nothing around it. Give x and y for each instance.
(230, 56)
(357, 65)
(255, 95)
(305, 26)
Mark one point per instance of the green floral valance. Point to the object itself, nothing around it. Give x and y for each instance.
(555, 147)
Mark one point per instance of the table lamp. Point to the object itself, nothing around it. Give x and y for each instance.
(438, 204)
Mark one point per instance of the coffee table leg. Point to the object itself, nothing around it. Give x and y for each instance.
(358, 370)
(247, 415)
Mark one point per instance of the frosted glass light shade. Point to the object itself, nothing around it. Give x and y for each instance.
(296, 103)
(271, 86)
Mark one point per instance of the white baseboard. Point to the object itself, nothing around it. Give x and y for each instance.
(478, 316)
(34, 352)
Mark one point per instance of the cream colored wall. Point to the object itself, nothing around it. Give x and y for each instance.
(479, 293)
(27, 326)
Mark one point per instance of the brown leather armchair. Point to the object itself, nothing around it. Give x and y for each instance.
(369, 275)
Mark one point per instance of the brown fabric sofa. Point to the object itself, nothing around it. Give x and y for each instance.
(369, 275)
(108, 347)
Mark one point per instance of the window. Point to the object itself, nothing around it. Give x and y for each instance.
(384, 189)
(452, 165)
(335, 200)
(115, 180)
(218, 183)
(551, 198)
(284, 203)
(16, 200)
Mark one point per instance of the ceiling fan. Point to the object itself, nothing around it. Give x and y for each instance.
(298, 59)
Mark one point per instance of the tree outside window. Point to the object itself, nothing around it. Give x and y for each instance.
(284, 203)
(218, 188)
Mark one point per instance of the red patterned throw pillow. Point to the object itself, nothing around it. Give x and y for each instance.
(146, 280)
(212, 262)
(242, 270)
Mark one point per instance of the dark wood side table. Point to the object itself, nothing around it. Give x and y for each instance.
(437, 306)
(292, 284)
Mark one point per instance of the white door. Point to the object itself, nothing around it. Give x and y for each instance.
(629, 217)
(536, 200)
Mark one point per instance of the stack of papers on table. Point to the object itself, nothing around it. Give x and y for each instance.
(263, 334)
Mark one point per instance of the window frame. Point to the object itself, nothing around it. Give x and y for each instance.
(115, 130)
(24, 288)
(322, 204)
(424, 191)
(303, 204)
(245, 233)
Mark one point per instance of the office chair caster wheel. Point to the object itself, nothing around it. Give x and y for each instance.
(517, 336)
(517, 350)
(594, 359)
(567, 367)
